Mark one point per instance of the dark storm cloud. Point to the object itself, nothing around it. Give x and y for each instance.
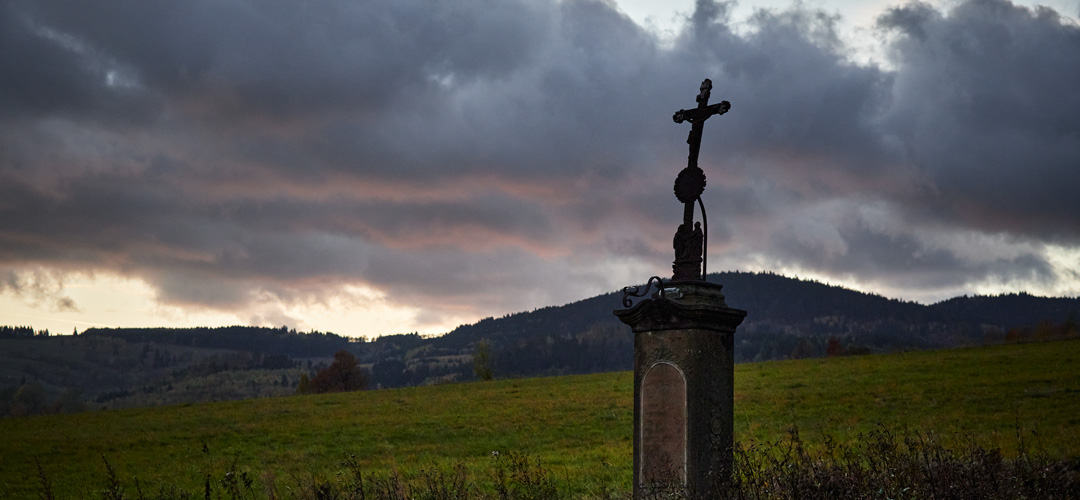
(798, 96)
(868, 242)
(285, 58)
(985, 105)
(481, 155)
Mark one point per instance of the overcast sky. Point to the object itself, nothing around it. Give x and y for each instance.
(379, 166)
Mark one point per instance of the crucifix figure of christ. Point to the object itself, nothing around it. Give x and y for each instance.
(690, 240)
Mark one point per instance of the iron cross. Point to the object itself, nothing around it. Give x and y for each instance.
(697, 116)
(691, 240)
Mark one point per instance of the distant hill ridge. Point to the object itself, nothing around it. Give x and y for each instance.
(788, 302)
(787, 318)
(584, 336)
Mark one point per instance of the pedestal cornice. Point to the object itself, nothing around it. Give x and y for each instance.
(684, 305)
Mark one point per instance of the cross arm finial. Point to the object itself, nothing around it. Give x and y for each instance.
(706, 90)
(703, 110)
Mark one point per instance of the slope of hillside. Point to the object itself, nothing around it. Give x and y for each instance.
(578, 426)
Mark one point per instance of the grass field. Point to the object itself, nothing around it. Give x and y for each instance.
(578, 427)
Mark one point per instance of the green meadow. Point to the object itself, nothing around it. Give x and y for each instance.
(577, 427)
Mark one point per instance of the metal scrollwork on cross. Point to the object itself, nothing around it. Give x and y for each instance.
(691, 239)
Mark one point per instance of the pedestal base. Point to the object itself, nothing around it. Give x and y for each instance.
(683, 389)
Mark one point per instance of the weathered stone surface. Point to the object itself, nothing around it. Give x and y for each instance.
(701, 306)
(690, 336)
(663, 424)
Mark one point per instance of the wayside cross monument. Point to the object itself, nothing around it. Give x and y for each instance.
(683, 361)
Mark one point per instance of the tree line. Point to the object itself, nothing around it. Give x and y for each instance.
(22, 332)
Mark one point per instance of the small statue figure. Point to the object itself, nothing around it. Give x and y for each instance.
(689, 244)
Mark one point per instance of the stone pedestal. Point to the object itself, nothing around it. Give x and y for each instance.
(683, 389)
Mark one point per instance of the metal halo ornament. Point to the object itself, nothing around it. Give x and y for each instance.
(689, 184)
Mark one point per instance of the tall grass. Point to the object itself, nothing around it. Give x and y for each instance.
(886, 464)
(880, 464)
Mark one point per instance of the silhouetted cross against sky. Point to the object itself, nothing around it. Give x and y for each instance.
(691, 240)
(697, 116)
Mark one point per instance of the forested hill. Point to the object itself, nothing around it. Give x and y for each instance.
(781, 298)
(770, 299)
(787, 318)
(282, 341)
(800, 307)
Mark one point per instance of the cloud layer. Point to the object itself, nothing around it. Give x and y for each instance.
(484, 156)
